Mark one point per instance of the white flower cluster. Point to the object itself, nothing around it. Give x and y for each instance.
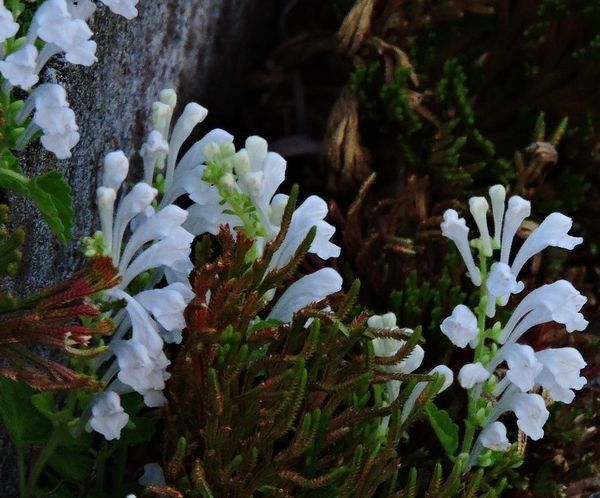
(557, 371)
(62, 26)
(145, 235)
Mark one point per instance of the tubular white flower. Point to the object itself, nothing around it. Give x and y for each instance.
(19, 68)
(50, 21)
(140, 197)
(116, 169)
(83, 9)
(500, 283)
(493, 436)
(108, 416)
(531, 413)
(461, 327)
(8, 26)
(153, 475)
(479, 208)
(55, 120)
(157, 226)
(497, 195)
(552, 232)
(561, 371)
(471, 374)
(192, 115)
(441, 370)
(125, 8)
(167, 304)
(105, 198)
(559, 302)
(153, 152)
(172, 252)
(168, 96)
(310, 213)
(60, 143)
(456, 230)
(518, 210)
(309, 289)
(523, 366)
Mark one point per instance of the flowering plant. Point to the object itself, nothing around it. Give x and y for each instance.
(555, 370)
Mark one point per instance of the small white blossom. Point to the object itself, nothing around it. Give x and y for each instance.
(153, 475)
(456, 230)
(560, 374)
(552, 232)
(479, 208)
(441, 370)
(108, 416)
(523, 366)
(116, 169)
(309, 289)
(19, 68)
(81, 9)
(497, 195)
(125, 8)
(501, 282)
(167, 304)
(60, 143)
(461, 327)
(471, 374)
(493, 436)
(531, 413)
(8, 26)
(518, 210)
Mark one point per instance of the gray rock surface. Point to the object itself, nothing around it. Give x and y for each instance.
(198, 47)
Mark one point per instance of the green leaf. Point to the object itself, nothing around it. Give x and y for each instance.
(72, 465)
(444, 427)
(13, 180)
(52, 194)
(25, 425)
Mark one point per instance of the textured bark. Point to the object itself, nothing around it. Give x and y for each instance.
(195, 46)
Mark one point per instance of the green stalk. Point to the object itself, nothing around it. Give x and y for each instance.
(48, 450)
(475, 392)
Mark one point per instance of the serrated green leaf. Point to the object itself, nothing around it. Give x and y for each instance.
(444, 427)
(52, 195)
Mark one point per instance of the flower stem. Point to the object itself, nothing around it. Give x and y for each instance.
(47, 452)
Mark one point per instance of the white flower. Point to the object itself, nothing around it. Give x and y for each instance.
(553, 231)
(561, 372)
(518, 210)
(456, 230)
(461, 327)
(125, 8)
(387, 321)
(60, 143)
(531, 413)
(493, 436)
(309, 289)
(8, 27)
(559, 302)
(167, 304)
(108, 417)
(441, 370)
(523, 366)
(501, 281)
(387, 346)
(471, 374)
(116, 169)
(192, 115)
(497, 195)
(50, 21)
(153, 152)
(153, 475)
(479, 208)
(19, 68)
(310, 213)
(81, 9)
(55, 120)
